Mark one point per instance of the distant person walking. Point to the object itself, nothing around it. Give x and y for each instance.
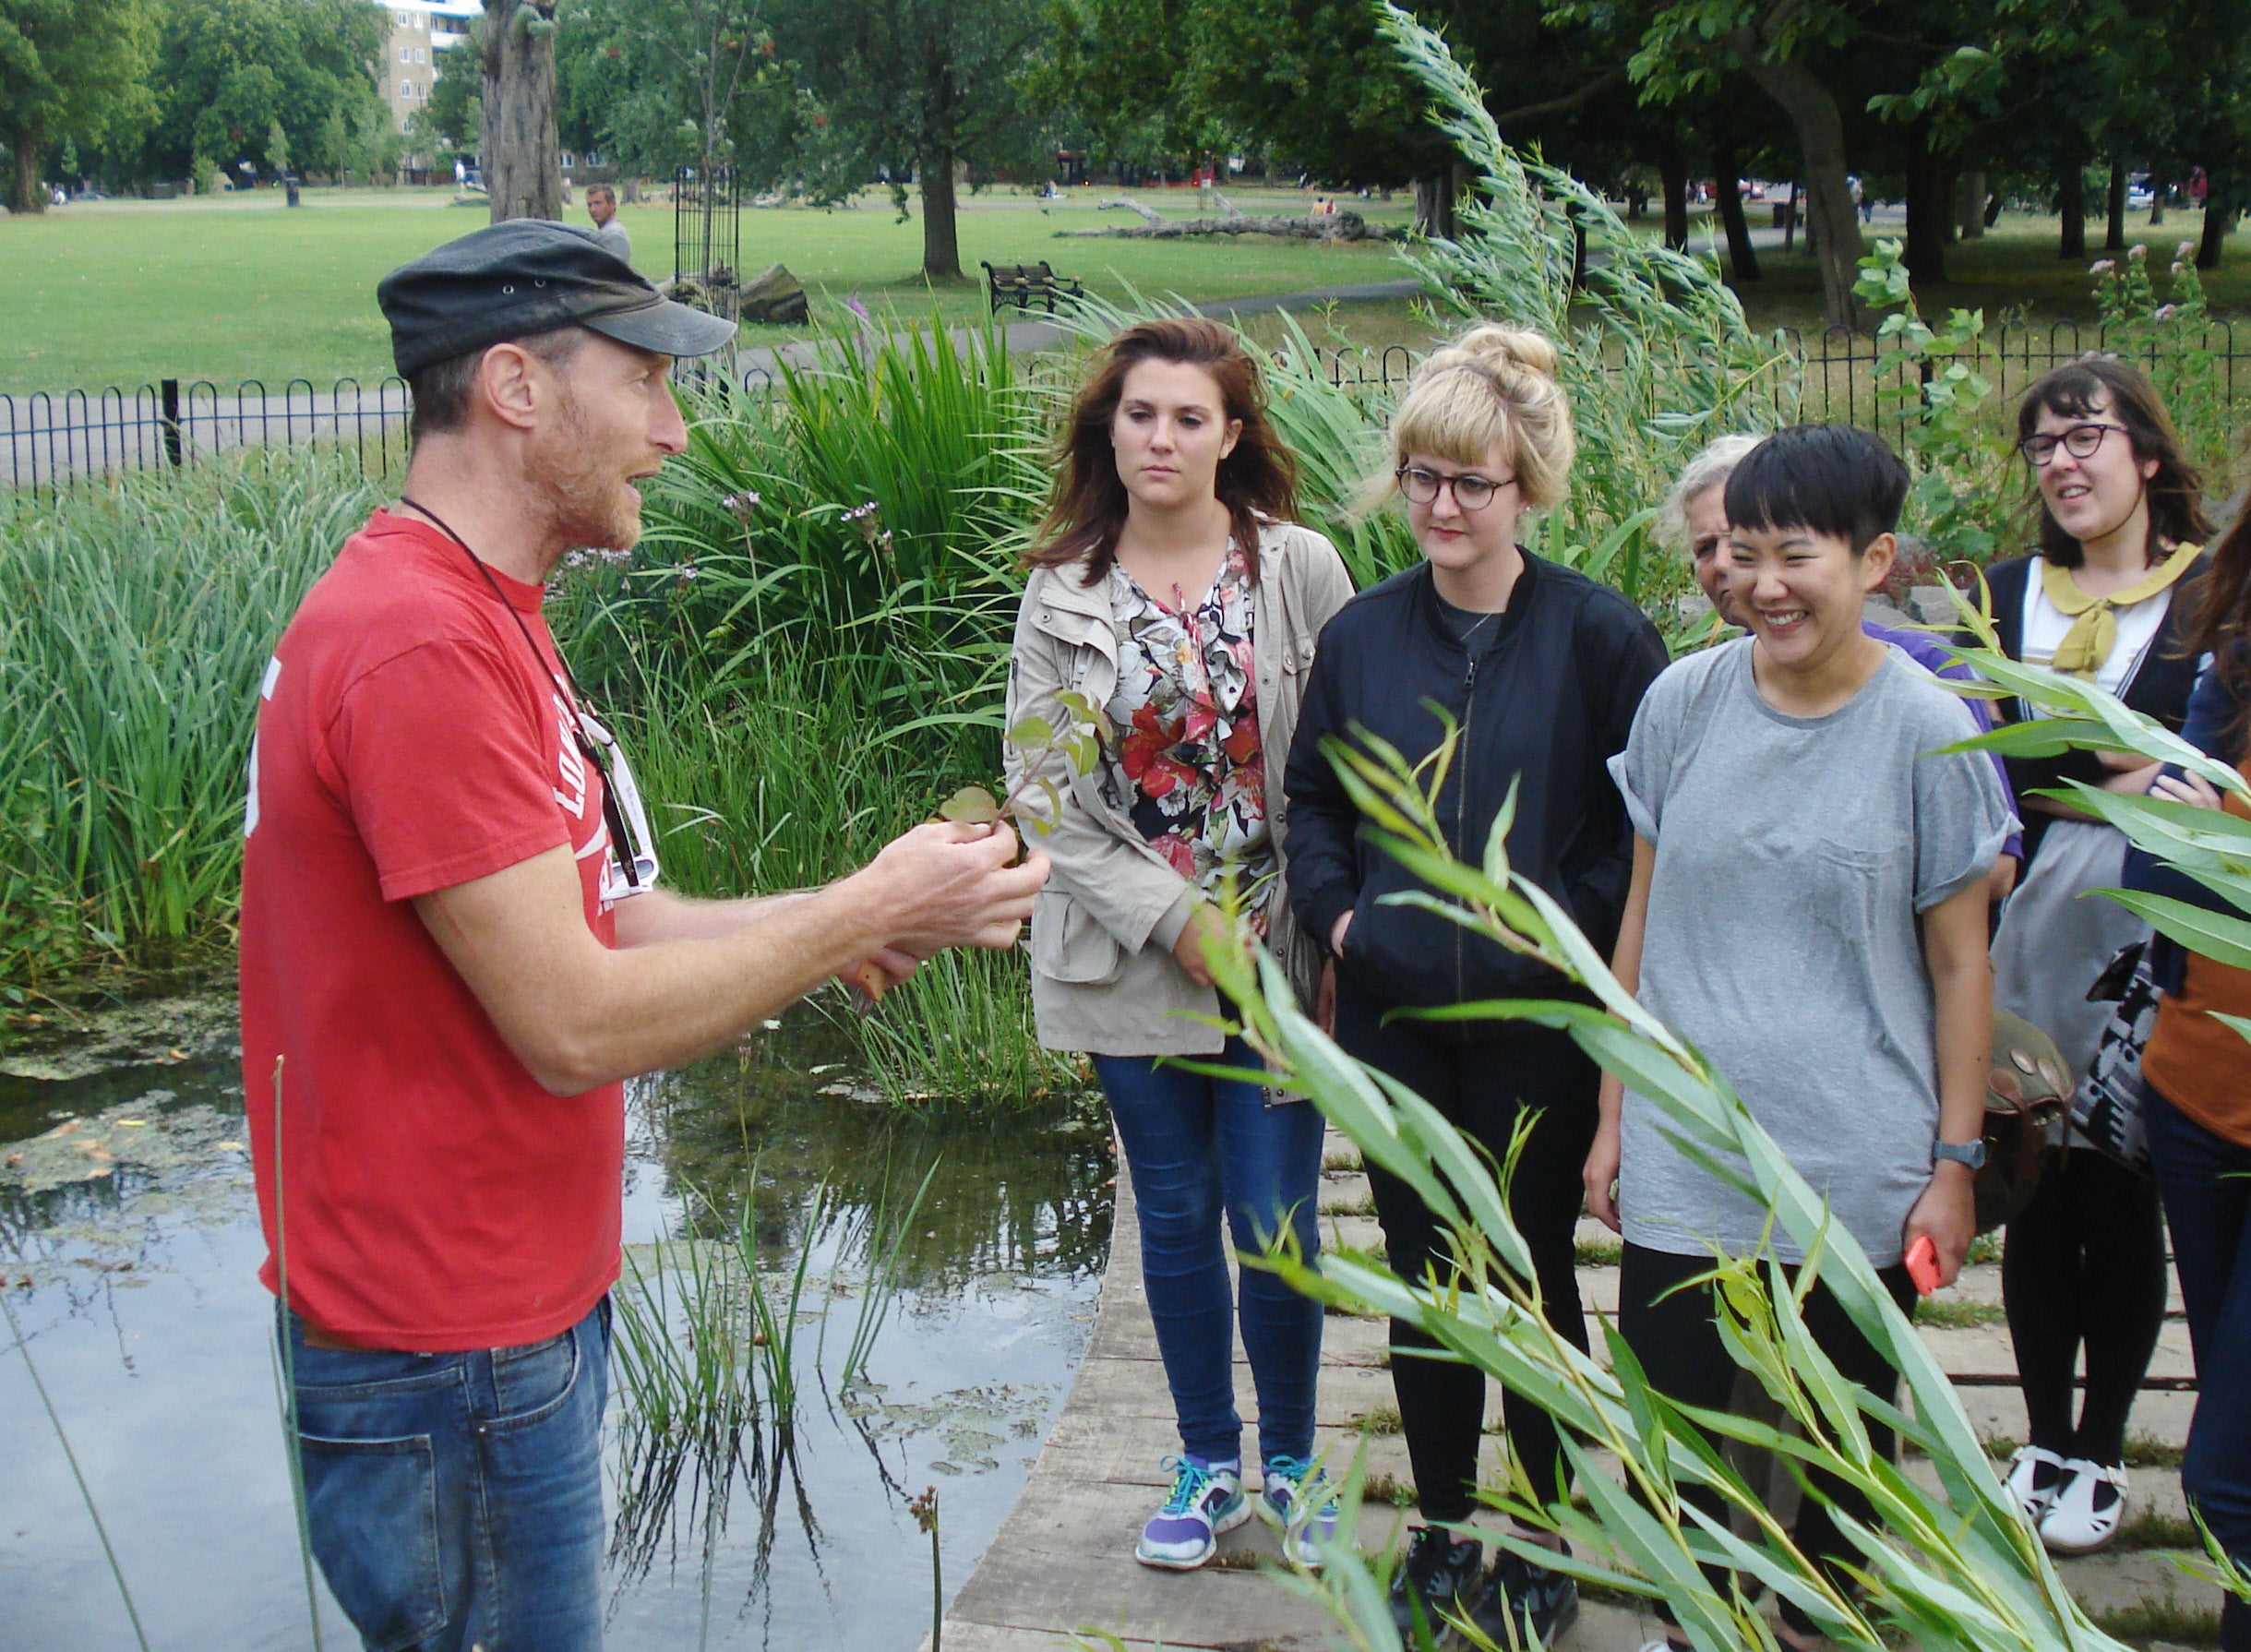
(602, 206)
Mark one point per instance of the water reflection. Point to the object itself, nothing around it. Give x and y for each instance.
(135, 1284)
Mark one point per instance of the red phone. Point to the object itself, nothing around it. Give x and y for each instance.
(1922, 1265)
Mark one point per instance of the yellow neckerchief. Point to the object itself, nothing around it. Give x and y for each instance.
(2094, 624)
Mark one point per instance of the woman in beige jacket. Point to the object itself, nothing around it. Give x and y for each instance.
(1169, 588)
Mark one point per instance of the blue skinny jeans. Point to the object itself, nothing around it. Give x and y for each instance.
(1197, 1147)
(2205, 1183)
(455, 1500)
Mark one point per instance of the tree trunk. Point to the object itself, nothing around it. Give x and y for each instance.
(2071, 205)
(2220, 208)
(522, 152)
(2113, 232)
(1927, 208)
(2157, 201)
(1970, 205)
(1834, 226)
(942, 246)
(1743, 258)
(24, 194)
(1672, 166)
(1434, 206)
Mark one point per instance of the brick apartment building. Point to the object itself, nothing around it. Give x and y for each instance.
(419, 30)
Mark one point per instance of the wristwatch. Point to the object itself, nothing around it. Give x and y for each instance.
(1962, 1152)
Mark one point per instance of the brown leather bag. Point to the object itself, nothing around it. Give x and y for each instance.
(2026, 1094)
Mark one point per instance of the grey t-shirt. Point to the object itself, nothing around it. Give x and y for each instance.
(614, 239)
(1794, 856)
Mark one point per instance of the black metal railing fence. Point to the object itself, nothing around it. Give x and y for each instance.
(52, 440)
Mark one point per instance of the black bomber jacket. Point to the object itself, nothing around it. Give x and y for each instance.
(1543, 707)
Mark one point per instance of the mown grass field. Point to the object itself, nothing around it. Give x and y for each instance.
(127, 292)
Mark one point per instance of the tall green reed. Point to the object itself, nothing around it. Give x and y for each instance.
(1951, 1568)
(77, 1475)
(140, 618)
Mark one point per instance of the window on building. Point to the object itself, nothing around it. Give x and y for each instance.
(406, 55)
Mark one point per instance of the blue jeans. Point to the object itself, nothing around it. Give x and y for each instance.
(2207, 1207)
(455, 1500)
(1196, 1146)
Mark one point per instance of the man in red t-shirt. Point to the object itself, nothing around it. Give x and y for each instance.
(452, 956)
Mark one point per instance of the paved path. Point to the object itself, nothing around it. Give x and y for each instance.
(1060, 1573)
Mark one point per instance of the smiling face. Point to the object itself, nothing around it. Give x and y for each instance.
(2093, 497)
(1170, 433)
(615, 422)
(1800, 593)
(1463, 541)
(1707, 548)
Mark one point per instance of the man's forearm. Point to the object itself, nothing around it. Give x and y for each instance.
(588, 1014)
(661, 916)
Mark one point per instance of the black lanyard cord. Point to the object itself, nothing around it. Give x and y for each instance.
(567, 685)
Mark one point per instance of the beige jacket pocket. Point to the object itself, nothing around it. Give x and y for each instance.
(1068, 945)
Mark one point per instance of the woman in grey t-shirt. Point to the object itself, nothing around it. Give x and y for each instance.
(1808, 909)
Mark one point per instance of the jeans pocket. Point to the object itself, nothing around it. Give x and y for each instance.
(531, 1380)
(371, 1506)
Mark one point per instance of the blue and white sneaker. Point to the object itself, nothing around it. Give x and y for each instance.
(1298, 1504)
(1206, 1500)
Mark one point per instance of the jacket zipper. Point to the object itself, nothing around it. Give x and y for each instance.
(1461, 820)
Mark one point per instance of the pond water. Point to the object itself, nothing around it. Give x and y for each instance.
(128, 1245)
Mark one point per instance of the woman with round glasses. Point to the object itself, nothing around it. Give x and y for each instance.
(2118, 513)
(1541, 671)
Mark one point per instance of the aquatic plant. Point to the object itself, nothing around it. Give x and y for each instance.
(77, 1475)
(925, 1511)
(884, 1239)
(139, 618)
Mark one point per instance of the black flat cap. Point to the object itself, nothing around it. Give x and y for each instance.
(531, 275)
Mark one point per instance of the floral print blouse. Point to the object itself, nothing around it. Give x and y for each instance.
(1185, 761)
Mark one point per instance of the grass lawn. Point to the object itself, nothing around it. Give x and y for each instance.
(127, 293)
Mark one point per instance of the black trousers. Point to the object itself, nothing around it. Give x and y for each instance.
(1677, 1341)
(2084, 1267)
(1482, 1078)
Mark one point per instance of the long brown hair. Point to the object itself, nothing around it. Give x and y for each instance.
(2175, 492)
(1087, 507)
(2222, 626)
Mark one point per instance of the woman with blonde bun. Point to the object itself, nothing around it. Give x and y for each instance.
(1541, 670)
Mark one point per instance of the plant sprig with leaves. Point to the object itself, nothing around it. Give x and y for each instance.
(1078, 740)
(1927, 378)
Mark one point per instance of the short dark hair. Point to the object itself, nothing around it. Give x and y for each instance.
(2175, 492)
(602, 189)
(439, 395)
(1831, 478)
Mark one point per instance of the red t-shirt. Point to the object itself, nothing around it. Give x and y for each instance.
(407, 741)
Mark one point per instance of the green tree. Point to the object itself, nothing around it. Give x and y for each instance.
(70, 71)
(452, 116)
(230, 69)
(919, 88)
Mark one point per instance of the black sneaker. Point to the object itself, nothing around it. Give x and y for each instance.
(1440, 1575)
(1542, 1601)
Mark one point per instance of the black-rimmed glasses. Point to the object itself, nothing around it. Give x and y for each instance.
(1471, 492)
(2081, 441)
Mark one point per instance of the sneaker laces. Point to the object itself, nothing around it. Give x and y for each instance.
(1189, 1481)
(1299, 1473)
